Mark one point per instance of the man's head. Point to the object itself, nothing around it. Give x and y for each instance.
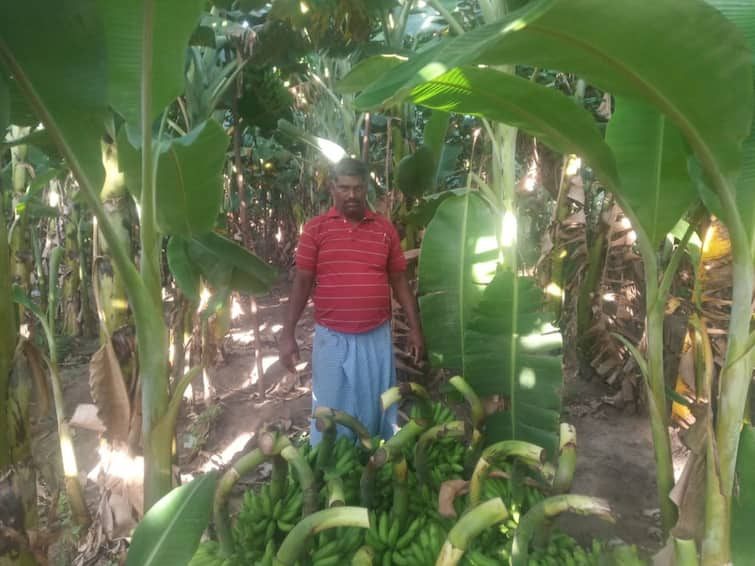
(348, 186)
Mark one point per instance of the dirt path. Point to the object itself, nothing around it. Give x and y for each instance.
(615, 459)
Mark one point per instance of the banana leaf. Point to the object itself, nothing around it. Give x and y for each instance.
(743, 503)
(170, 531)
(742, 14)
(189, 178)
(703, 82)
(457, 261)
(512, 351)
(652, 160)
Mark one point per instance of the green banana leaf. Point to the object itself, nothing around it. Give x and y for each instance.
(184, 270)
(225, 264)
(189, 178)
(546, 114)
(512, 351)
(415, 173)
(652, 159)
(457, 260)
(366, 71)
(742, 14)
(4, 105)
(65, 84)
(703, 82)
(170, 531)
(171, 24)
(743, 503)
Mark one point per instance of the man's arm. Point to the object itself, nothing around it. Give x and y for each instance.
(405, 298)
(287, 347)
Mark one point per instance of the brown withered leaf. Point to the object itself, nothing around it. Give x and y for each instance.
(108, 390)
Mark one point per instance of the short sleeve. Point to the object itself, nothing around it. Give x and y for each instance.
(306, 251)
(396, 259)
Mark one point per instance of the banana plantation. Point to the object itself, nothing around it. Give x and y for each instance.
(573, 184)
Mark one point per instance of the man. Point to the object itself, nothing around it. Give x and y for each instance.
(353, 259)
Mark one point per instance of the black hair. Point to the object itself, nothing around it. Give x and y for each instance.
(350, 167)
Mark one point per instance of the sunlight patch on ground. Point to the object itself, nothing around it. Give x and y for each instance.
(117, 463)
(225, 456)
(243, 337)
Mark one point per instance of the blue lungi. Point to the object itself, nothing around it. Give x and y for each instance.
(349, 373)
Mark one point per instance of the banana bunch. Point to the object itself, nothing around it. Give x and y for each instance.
(446, 460)
(563, 550)
(262, 520)
(335, 546)
(421, 547)
(439, 413)
(208, 554)
(388, 541)
(346, 466)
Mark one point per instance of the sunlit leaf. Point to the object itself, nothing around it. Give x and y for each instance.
(457, 260)
(509, 352)
(617, 46)
(366, 71)
(546, 114)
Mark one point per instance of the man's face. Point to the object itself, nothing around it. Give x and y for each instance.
(349, 196)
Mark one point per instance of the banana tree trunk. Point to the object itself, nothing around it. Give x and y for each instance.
(18, 481)
(113, 309)
(71, 291)
(22, 257)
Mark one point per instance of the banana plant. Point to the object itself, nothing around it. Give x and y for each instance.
(17, 478)
(712, 76)
(111, 56)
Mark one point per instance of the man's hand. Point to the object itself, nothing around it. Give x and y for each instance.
(288, 352)
(416, 345)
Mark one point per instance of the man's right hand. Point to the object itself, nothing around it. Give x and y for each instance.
(288, 353)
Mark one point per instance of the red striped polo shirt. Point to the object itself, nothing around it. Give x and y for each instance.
(351, 266)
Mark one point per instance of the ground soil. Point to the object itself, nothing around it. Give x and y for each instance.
(615, 459)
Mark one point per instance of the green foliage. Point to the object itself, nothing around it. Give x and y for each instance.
(265, 100)
(223, 263)
(457, 261)
(613, 47)
(743, 503)
(189, 178)
(367, 71)
(169, 532)
(415, 174)
(509, 354)
(544, 113)
(173, 23)
(66, 85)
(186, 273)
(652, 159)
(742, 14)
(4, 104)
